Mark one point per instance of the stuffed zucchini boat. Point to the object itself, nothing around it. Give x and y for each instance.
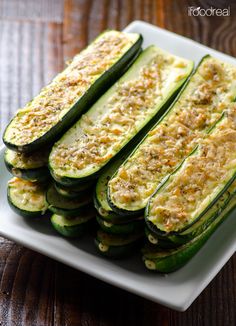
(197, 228)
(117, 246)
(73, 227)
(167, 261)
(198, 183)
(27, 198)
(197, 108)
(140, 96)
(68, 207)
(32, 167)
(71, 92)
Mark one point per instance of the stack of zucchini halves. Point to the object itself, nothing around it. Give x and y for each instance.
(181, 175)
(31, 134)
(133, 140)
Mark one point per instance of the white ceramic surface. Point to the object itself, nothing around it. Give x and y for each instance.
(177, 290)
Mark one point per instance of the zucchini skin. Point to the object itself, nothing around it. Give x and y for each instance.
(65, 210)
(173, 259)
(117, 246)
(72, 231)
(34, 175)
(83, 186)
(118, 252)
(70, 193)
(124, 228)
(89, 97)
(68, 212)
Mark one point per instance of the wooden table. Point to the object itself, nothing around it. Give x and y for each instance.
(36, 37)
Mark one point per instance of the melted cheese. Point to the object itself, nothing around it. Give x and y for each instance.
(113, 121)
(199, 107)
(202, 176)
(56, 99)
(26, 195)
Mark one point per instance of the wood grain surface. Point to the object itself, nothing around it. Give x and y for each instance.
(36, 38)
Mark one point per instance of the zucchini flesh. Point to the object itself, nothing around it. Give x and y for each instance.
(32, 167)
(167, 261)
(197, 108)
(117, 246)
(118, 116)
(67, 207)
(71, 92)
(73, 227)
(124, 228)
(197, 184)
(27, 198)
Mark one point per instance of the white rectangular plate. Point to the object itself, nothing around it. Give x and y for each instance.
(177, 290)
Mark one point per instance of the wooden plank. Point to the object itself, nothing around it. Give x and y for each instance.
(217, 32)
(40, 10)
(26, 288)
(30, 55)
(84, 20)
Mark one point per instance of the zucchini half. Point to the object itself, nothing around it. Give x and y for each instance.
(27, 198)
(197, 228)
(32, 167)
(71, 92)
(197, 108)
(167, 261)
(67, 207)
(118, 246)
(73, 227)
(124, 228)
(128, 107)
(198, 183)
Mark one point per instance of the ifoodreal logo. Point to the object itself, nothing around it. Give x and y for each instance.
(198, 11)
